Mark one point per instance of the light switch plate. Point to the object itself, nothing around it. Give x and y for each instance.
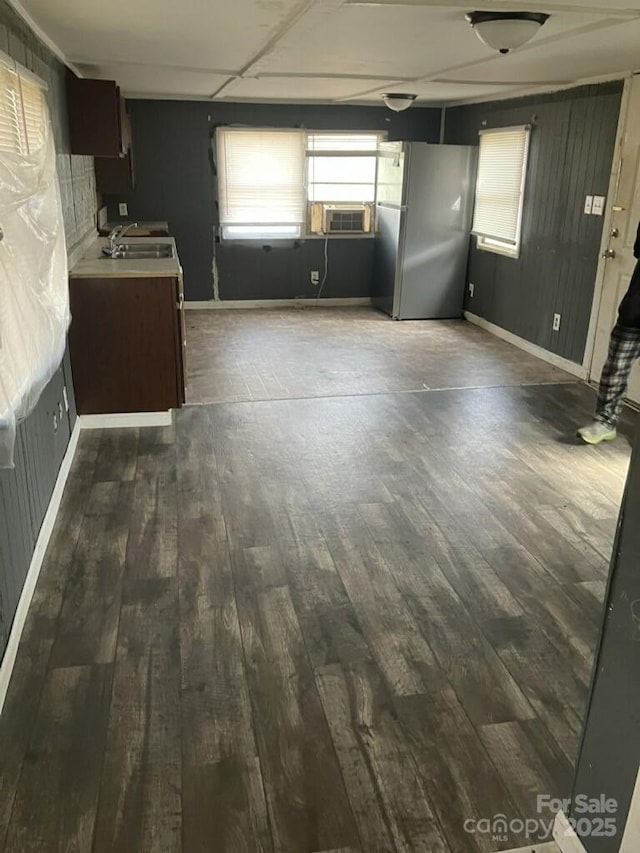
(588, 204)
(598, 205)
(123, 208)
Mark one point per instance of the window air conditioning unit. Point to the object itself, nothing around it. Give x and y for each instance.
(346, 218)
(343, 218)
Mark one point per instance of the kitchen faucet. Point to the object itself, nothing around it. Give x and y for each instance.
(116, 234)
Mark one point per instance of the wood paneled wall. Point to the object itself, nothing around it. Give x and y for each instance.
(175, 182)
(571, 153)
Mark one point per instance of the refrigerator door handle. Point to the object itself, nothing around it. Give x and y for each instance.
(391, 206)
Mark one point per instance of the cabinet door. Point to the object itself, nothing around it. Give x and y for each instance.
(95, 122)
(115, 174)
(122, 342)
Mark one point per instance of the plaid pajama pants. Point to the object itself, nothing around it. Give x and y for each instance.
(624, 349)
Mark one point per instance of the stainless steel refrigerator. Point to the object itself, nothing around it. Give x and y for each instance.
(423, 221)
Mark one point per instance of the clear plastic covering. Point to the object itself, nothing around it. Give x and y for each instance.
(34, 296)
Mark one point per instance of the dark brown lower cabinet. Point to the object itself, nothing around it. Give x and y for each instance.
(127, 341)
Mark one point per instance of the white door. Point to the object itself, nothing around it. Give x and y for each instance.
(625, 217)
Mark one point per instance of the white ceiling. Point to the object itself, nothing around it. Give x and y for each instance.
(332, 50)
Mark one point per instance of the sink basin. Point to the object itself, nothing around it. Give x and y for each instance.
(142, 251)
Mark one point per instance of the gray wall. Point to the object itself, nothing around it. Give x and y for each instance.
(572, 146)
(175, 182)
(25, 491)
(610, 751)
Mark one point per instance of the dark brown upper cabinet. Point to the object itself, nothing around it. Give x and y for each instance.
(115, 174)
(98, 120)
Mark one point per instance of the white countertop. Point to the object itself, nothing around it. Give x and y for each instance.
(94, 264)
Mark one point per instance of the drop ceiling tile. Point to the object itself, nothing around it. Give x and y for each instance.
(392, 41)
(158, 81)
(603, 52)
(296, 88)
(191, 33)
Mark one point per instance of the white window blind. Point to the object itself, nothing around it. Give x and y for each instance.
(34, 113)
(12, 131)
(502, 166)
(261, 182)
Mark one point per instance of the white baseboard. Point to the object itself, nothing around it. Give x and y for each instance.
(126, 419)
(565, 837)
(545, 847)
(533, 349)
(231, 304)
(19, 619)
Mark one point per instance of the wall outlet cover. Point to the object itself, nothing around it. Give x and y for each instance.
(556, 322)
(472, 287)
(123, 208)
(588, 204)
(598, 205)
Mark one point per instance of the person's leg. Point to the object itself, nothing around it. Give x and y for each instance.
(624, 349)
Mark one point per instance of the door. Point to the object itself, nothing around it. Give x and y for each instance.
(440, 182)
(390, 191)
(386, 258)
(620, 262)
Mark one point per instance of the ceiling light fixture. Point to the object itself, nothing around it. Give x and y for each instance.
(398, 101)
(505, 31)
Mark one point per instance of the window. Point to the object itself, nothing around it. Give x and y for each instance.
(261, 182)
(23, 112)
(283, 183)
(34, 297)
(341, 167)
(502, 168)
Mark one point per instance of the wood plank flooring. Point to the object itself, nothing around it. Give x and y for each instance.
(310, 625)
(272, 354)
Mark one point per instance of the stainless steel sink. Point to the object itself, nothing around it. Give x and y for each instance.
(142, 251)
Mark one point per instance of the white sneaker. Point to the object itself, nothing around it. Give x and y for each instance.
(596, 432)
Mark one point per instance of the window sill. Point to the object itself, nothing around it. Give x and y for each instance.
(497, 250)
(267, 241)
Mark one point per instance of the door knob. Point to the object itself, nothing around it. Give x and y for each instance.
(609, 253)
(615, 232)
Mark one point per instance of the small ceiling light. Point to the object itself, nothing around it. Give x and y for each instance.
(398, 101)
(505, 31)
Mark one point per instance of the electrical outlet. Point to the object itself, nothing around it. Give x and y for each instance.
(556, 322)
(588, 204)
(598, 205)
(123, 208)
(472, 287)
(315, 277)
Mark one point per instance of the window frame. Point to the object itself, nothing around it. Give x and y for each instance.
(495, 245)
(24, 80)
(305, 232)
(265, 235)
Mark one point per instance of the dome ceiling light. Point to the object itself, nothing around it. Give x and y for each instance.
(505, 31)
(398, 101)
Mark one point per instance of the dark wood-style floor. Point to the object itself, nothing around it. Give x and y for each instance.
(317, 352)
(347, 623)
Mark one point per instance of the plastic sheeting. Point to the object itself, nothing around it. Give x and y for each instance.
(34, 295)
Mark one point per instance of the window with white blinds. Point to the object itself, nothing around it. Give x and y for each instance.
(502, 168)
(261, 182)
